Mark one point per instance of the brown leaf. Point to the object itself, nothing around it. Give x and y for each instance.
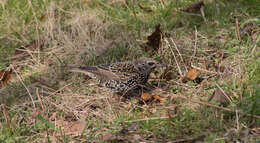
(154, 41)
(44, 17)
(146, 96)
(248, 28)
(192, 74)
(146, 9)
(133, 127)
(159, 98)
(75, 127)
(168, 74)
(20, 53)
(194, 8)
(5, 77)
(219, 97)
(108, 136)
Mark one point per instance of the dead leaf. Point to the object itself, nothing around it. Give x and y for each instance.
(133, 127)
(108, 136)
(219, 97)
(159, 98)
(194, 8)
(192, 74)
(5, 77)
(44, 17)
(146, 9)
(256, 130)
(249, 28)
(168, 74)
(146, 96)
(20, 53)
(75, 127)
(154, 41)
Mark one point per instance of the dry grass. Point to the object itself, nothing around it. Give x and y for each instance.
(57, 106)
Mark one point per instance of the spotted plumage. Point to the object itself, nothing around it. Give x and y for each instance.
(122, 76)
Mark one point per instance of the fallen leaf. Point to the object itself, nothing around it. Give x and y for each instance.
(133, 127)
(218, 96)
(194, 8)
(146, 9)
(168, 74)
(44, 17)
(249, 28)
(146, 96)
(160, 98)
(5, 77)
(108, 136)
(21, 53)
(154, 41)
(192, 74)
(75, 127)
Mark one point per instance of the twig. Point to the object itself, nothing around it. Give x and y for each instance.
(195, 45)
(45, 84)
(148, 119)
(237, 121)
(229, 99)
(162, 3)
(218, 107)
(175, 46)
(237, 30)
(188, 139)
(203, 13)
(19, 77)
(39, 98)
(6, 116)
(204, 70)
(175, 60)
(60, 89)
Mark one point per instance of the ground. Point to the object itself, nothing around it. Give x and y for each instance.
(209, 91)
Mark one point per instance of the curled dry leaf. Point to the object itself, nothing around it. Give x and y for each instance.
(168, 74)
(133, 127)
(107, 136)
(194, 8)
(154, 41)
(146, 9)
(159, 98)
(192, 74)
(5, 77)
(75, 127)
(146, 96)
(154, 97)
(218, 96)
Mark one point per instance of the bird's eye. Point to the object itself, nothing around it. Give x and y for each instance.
(151, 63)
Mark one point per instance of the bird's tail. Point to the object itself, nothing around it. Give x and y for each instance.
(88, 70)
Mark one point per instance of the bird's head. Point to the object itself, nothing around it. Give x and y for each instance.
(147, 64)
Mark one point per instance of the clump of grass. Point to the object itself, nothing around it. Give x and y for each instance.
(99, 32)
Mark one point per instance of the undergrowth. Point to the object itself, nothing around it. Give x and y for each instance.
(40, 40)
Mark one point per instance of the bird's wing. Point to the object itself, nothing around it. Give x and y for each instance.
(95, 72)
(123, 70)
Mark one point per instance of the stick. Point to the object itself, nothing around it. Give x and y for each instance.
(175, 46)
(147, 119)
(6, 116)
(204, 70)
(218, 107)
(229, 99)
(237, 30)
(175, 60)
(39, 98)
(19, 77)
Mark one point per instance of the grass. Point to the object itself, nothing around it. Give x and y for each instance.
(72, 108)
